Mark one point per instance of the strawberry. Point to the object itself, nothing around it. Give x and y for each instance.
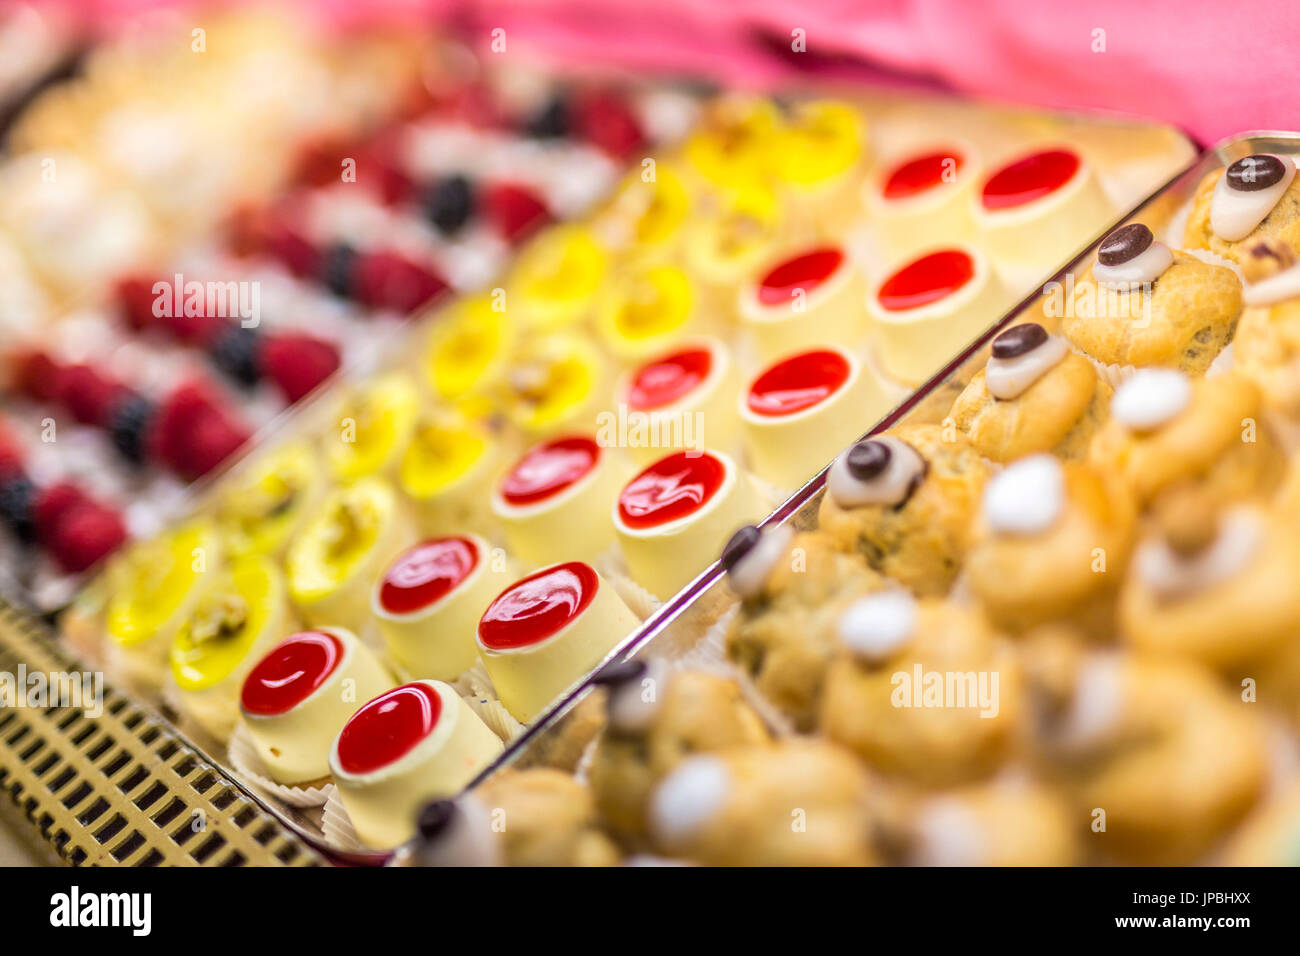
(605, 120)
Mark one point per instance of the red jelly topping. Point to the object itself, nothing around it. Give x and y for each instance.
(668, 379)
(922, 173)
(925, 280)
(798, 383)
(1030, 178)
(671, 488)
(386, 729)
(549, 468)
(538, 606)
(290, 673)
(427, 573)
(805, 272)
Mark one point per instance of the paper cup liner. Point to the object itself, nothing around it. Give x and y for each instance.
(493, 713)
(710, 654)
(478, 681)
(1113, 374)
(248, 765)
(336, 826)
(771, 495)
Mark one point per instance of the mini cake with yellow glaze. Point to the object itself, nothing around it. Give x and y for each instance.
(645, 308)
(547, 630)
(298, 696)
(929, 308)
(1255, 197)
(155, 586)
(685, 504)
(556, 383)
(649, 215)
(242, 615)
(812, 296)
(467, 353)
(726, 247)
(403, 748)
(1034, 395)
(905, 500)
(555, 282)
(817, 157)
(428, 603)
(335, 558)
(801, 410)
(449, 461)
(263, 506)
(374, 428)
(554, 502)
(1051, 544)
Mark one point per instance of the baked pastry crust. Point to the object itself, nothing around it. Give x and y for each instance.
(1058, 413)
(1184, 321)
(1004, 822)
(549, 819)
(1267, 351)
(1282, 222)
(922, 543)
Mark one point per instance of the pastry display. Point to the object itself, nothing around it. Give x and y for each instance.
(548, 629)
(298, 696)
(400, 750)
(551, 820)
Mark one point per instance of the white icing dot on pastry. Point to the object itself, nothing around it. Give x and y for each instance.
(1146, 267)
(688, 798)
(879, 471)
(1276, 288)
(1151, 398)
(750, 572)
(633, 704)
(1026, 497)
(949, 834)
(1096, 708)
(1235, 212)
(1008, 378)
(1170, 575)
(876, 627)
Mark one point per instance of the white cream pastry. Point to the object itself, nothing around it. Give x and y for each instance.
(545, 631)
(1247, 192)
(801, 410)
(402, 749)
(922, 195)
(428, 603)
(676, 512)
(297, 698)
(812, 298)
(1020, 357)
(1131, 258)
(554, 502)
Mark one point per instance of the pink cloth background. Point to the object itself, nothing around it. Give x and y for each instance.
(1210, 66)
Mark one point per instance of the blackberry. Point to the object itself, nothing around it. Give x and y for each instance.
(127, 425)
(338, 269)
(16, 497)
(236, 351)
(448, 203)
(551, 121)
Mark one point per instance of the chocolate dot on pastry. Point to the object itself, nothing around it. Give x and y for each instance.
(1255, 172)
(1019, 340)
(739, 545)
(1127, 242)
(867, 459)
(619, 673)
(435, 817)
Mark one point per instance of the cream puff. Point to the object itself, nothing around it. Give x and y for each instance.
(298, 696)
(811, 297)
(929, 308)
(924, 692)
(1267, 347)
(801, 410)
(1051, 544)
(1142, 304)
(1033, 395)
(428, 603)
(550, 819)
(545, 631)
(1255, 197)
(686, 503)
(554, 502)
(792, 589)
(905, 500)
(400, 750)
(657, 718)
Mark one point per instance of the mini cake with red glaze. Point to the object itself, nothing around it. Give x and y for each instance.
(546, 631)
(813, 297)
(553, 502)
(927, 309)
(676, 398)
(686, 504)
(801, 411)
(924, 195)
(402, 749)
(298, 696)
(1038, 209)
(428, 603)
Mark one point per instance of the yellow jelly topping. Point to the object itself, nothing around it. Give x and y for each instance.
(328, 550)
(557, 276)
(664, 206)
(552, 382)
(822, 141)
(441, 453)
(733, 139)
(655, 302)
(225, 625)
(373, 431)
(154, 578)
(264, 504)
(466, 347)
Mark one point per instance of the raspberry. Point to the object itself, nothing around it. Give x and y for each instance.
(90, 395)
(514, 210)
(605, 120)
(286, 243)
(87, 533)
(38, 376)
(298, 363)
(11, 453)
(192, 433)
(137, 299)
(52, 504)
(386, 280)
